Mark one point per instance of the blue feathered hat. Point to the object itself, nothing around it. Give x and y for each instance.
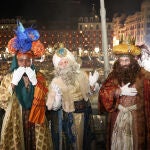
(26, 40)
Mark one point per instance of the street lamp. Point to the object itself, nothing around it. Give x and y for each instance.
(49, 48)
(96, 49)
(115, 41)
(80, 51)
(104, 38)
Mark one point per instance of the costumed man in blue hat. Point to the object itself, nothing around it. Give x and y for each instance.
(22, 96)
(68, 100)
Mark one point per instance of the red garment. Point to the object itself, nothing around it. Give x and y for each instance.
(109, 102)
(147, 110)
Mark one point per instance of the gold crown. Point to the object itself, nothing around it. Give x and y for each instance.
(126, 47)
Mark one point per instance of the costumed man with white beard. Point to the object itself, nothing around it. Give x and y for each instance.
(22, 96)
(68, 100)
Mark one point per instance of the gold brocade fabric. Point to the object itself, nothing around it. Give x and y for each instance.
(5, 91)
(12, 134)
(75, 91)
(79, 128)
(43, 137)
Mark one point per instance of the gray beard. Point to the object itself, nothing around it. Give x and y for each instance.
(68, 75)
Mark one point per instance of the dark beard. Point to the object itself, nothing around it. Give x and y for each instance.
(126, 74)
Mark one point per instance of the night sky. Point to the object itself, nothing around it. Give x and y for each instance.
(41, 9)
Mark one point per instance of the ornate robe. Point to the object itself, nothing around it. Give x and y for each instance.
(74, 128)
(146, 76)
(108, 102)
(18, 133)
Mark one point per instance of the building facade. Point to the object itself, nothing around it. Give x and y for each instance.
(136, 26)
(82, 33)
(7, 28)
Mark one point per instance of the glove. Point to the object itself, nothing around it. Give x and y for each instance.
(125, 90)
(17, 75)
(56, 89)
(96, 88)
(146, 64)
(31, 75)
(93, 79)
(57, 102)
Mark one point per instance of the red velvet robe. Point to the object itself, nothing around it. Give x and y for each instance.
(108, 102)
(147, 106)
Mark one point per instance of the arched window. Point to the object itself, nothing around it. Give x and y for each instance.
(81, 19)
(91, 19)
(80, 27)
(97, 27)
(86, 19)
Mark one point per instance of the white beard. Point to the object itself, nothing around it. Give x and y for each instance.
(68, 74)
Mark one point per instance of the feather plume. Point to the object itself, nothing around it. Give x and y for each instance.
(26, 39)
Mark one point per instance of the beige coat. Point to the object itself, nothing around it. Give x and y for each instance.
(69, 93)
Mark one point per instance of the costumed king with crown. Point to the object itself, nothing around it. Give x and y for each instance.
(69, 103)
(121, 95)
(22, 96)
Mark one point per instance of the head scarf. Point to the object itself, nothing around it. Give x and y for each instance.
(60, 54)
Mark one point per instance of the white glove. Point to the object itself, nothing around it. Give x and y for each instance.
(146, 64)
(93, 78)
(97, 87)
(17, 75)
(57, 102)
(125, 90)
(31, 75)
(56, 89)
